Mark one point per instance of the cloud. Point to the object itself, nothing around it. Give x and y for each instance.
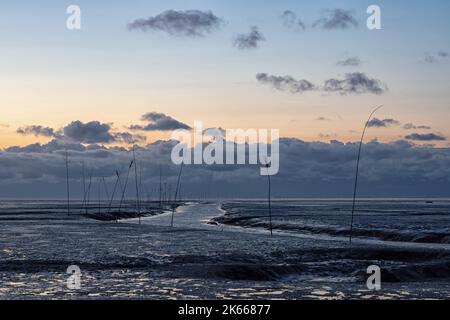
(327, 135)
(412, 126)
(250, 40)
(377, 123)
(349, 62)
(90, 132)
(50, 147)
(78, 132)
(190, 23)
(37, 131)
(307, 169)
(290, 20)
(336, 19)
(285, 83)
(428, 58)
(435, 58)
(425, 137)
(213, 132)
(353, 83)
(128, 138)
(159, 122)
(322, 119)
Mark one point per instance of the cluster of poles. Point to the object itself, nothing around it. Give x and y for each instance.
(164, 196)
(120, 189)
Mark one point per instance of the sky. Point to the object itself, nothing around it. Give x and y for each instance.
(68, 85)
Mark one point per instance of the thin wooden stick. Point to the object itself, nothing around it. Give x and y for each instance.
(160, 186)
(357, 171)
(176, 192)
(165, 193)
(140, 184)
(89, 191)
(114, 191)
(125, 186)
(269, 199)
(67, 182)
(99, 185)
(106, 187)
(84, 186)
(137, 187)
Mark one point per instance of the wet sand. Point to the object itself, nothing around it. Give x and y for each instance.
(195, 260)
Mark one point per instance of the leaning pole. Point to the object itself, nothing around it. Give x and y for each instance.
(357, 171)
(269, 195)
(176, 193)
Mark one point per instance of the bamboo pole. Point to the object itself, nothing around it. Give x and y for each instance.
(67, 181)
(357, 171)
(99, 185)
(89, 191)
(269, 200)
(160, 186)
(176, 192)
(106, 187)
(114, 191)
(84, 186)
(125, 186)
(137, 187)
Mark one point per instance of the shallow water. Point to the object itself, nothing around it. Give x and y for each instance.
(197, 259)
(415, 221)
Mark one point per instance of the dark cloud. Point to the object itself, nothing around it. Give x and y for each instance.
(327, 135)
(37, 131)
(433, 58)
(412, 126)
(250, 40)
(425, 137)
(285, 83)
(213, 132)
(336, 19)
(53, 146)
(322, 119)
(191, 23)
(79, 132)
(306, 169)
(128, 138)
(428, 58)
(91, 132)
(377, 123)
(159, 122)
(291, 20)
(353, 83)
(350, 62)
